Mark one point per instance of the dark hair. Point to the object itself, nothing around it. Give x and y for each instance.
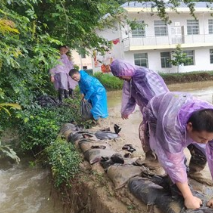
(202, 120)
(72, 72)
(68, 53)
(63, 46)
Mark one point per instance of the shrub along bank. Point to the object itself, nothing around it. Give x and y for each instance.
(38, 128)
(113, 83)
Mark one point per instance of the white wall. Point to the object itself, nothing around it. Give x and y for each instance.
(202, 57)
(79, 61)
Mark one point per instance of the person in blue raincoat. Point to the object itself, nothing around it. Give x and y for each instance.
(92, 91)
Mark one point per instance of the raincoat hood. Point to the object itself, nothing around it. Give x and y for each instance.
(121, 68)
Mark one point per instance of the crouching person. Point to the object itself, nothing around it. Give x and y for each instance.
(94, 92)
(176, 121)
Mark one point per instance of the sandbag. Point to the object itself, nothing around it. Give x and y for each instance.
(67, 129)
(168, 200)
(95, 155)
(103, 135)
(68, 126)
(92, 144)
(85, 110)
(120, 174)
(114, 159)
(47, 101)
(73, 137)
(145, 190)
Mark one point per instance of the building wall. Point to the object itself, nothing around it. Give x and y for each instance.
(193, 42)
(82, 62)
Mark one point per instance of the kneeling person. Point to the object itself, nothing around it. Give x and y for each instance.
(176, 121)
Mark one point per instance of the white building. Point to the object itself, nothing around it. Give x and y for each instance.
(83, 61)
(152, 46)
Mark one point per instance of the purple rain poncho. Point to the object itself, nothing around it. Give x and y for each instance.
(167, 116)
(95, 93)
(61, 74)
(71, 83)
(144, 85)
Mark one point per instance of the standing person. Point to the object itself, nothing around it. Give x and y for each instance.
(140, 85)
(59, 74)
(92, 91)
(178, 120)
(71, 83)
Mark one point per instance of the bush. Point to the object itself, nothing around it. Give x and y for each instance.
(38, 127)
(64, 160)
(109, 81)
(170, 78)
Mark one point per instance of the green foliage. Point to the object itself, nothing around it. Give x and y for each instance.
(179, 57)
(7, 151)
(64, 160)
(171, 78)
(39, 126)
(76, 67)
(109, 81)
(3, 106)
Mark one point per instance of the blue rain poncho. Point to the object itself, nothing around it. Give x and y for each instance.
(95, 93)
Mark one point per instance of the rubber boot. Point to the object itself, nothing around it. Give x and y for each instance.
(60, 95)
(197, 164)
(71, 93)
(66, 94)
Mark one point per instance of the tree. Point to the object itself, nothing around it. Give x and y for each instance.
(179, 58)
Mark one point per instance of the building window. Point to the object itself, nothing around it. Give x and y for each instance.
(189, 54)
(83, 55)
(192, 27)
(210, 26)
(141, 59)
(211, 56)
(139, 31)
(160, 28)
(165, 57)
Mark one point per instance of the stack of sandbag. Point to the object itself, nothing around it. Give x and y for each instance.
(166, 197)
(93, 148)
(142, 183)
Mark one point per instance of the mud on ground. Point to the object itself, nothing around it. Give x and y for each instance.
(94, 192)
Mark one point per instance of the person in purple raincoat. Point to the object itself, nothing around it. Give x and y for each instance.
(176, 121)
(59, 74)
(140, 85)
(71, 83)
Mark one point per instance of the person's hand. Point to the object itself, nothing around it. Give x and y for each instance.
(210, 203)
(123, 116)
(193, 202)
(52, 79)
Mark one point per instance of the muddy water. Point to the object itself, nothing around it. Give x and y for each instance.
(28, 190)
(24, 189)
(203, 90)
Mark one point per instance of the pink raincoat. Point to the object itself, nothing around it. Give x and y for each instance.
(167, 116)
(144, 85)
(61, 74)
